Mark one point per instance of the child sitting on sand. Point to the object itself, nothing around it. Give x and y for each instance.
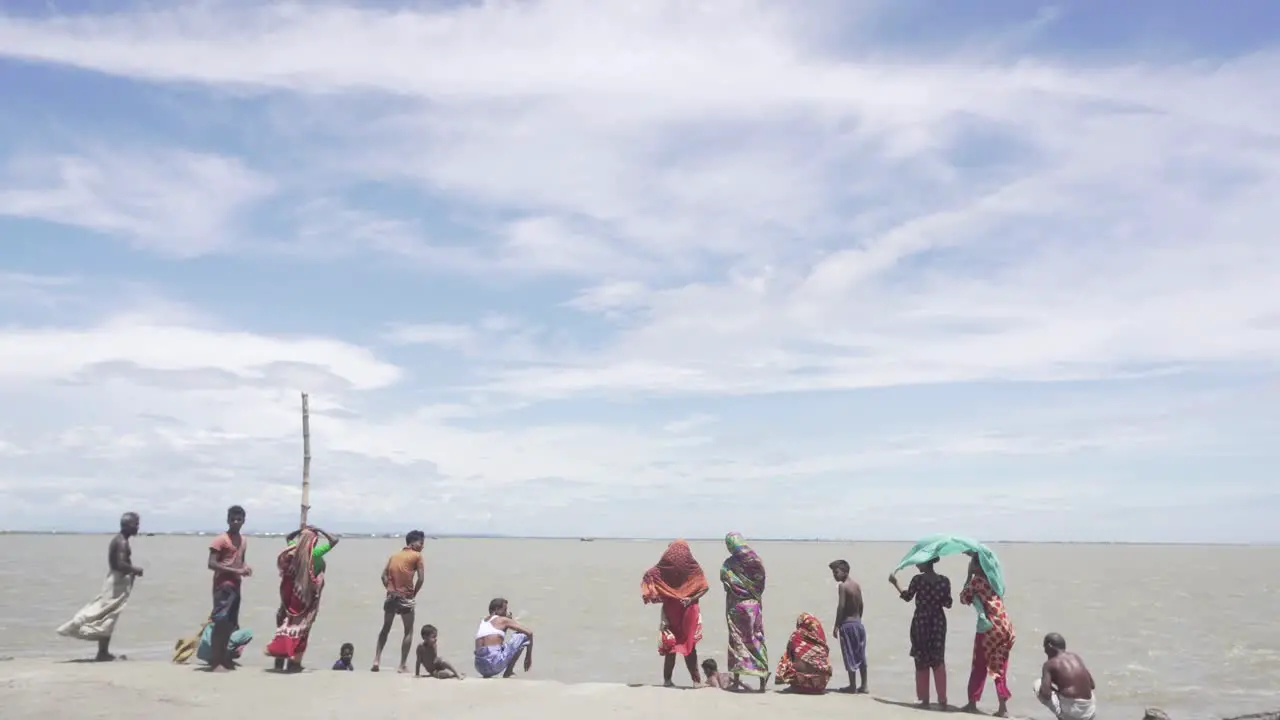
(345, 655)
(429, 658)
(715, 678)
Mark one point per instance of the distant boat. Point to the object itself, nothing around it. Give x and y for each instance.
(586, 539)
(151, 534)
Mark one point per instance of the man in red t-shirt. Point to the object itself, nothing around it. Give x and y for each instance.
(226, 560)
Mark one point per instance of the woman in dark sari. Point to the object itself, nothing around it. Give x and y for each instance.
(932, 595)
(743, 578)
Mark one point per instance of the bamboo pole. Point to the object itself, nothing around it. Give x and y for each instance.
(306, 461)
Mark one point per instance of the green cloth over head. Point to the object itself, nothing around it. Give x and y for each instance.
(936, 546)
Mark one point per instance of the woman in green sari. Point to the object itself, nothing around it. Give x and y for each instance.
(743, 578)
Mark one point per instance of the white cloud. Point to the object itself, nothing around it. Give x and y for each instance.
(132, 344)
(663, 211)
(439, 334)
(177, 202)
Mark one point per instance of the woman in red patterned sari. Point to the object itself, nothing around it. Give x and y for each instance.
(993, 642)
(806, 665)
(677, 583)
(301, 568)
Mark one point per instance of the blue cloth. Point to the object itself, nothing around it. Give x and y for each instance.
(493, 660)
(341, 664)
(239, 638)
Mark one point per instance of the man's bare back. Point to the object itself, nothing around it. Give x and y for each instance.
(1067, 675)
(849, 593)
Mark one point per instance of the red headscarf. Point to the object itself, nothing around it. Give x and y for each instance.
(677, 576)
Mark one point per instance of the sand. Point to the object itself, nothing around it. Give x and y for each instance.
(133, 689)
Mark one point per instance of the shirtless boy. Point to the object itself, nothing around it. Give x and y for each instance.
(848, 626)
(402, 578)
(227, 561)
(1065, 686)
(429, 658)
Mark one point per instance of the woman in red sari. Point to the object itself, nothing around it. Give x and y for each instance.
(301, 568)
(994, 639)
(806, 664)
(677, 582)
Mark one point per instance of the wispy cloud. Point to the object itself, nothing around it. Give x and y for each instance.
(179, 203)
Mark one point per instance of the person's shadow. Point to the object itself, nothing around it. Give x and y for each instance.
(89, 660)
(933, 707)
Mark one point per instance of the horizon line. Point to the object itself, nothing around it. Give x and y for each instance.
(370, 535)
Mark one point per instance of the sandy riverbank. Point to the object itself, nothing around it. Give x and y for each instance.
(56, 690)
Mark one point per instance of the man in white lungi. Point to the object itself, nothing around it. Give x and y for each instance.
(97, 620)
(1065, 686)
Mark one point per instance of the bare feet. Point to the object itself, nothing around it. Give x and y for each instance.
(923, 704)
(403, 669)
(1003, 711)
(374, 668)
(862, 690)
(668, 683)
(970, 708)
(104, 657)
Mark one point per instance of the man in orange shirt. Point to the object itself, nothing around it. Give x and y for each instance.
(402, 577)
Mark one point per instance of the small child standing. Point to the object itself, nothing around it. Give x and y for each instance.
(429, 658)
(345, 656)
(715, 679)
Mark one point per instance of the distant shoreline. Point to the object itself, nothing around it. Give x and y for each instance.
(818, 541)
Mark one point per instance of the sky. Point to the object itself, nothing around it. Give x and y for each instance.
(835, 269)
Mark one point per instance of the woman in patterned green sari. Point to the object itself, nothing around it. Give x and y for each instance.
(743, 578)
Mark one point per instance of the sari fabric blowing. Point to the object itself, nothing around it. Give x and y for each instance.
(301, 584)
(743, 578)
(806, 665)
(676, 582)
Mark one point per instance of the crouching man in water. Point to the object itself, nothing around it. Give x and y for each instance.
(496, 651)
(1065, 685)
